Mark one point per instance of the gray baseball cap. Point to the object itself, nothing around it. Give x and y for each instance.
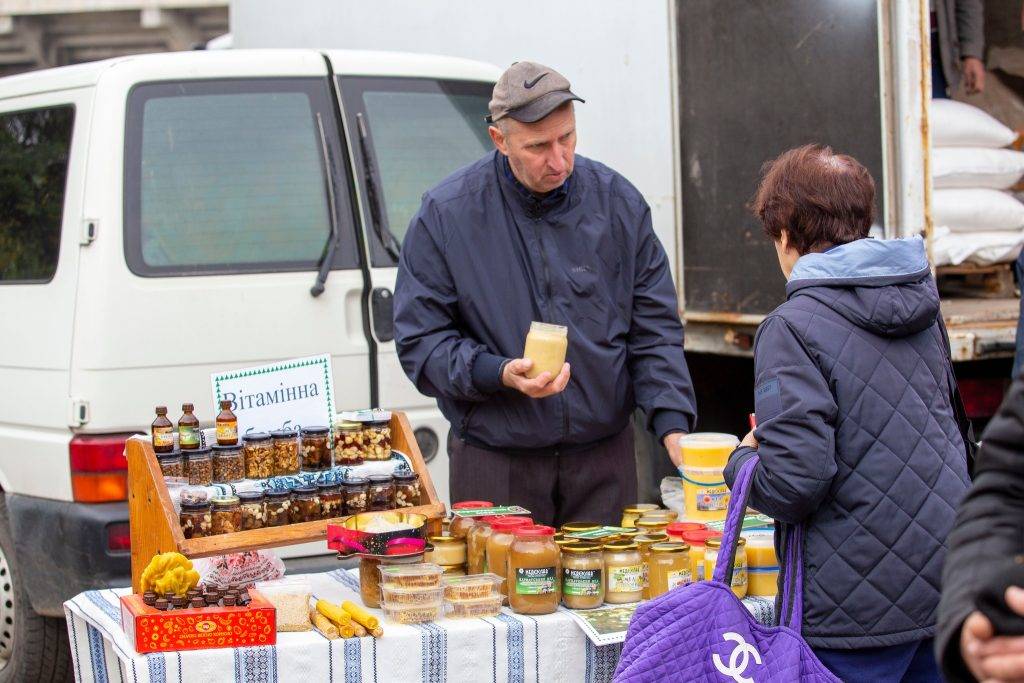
(528, 92)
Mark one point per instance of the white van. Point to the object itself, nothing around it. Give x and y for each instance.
(166, 216)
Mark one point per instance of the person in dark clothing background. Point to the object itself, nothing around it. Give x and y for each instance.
(856, 435)
(535, 232)
(989, 532)
(957, 46)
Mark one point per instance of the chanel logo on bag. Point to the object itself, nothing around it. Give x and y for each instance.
(739, 659)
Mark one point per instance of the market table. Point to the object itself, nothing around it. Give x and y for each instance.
(509, 647)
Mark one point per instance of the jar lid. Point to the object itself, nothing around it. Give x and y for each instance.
(568, 542)
(225, 501)
(648, 539)
(224, 448)
(315, 430)
(578, 548)
(380, 478)
(640, 508)
(570, 527)
(508, 522)
(709, 440)
(629, 533)
(195, 506)
(652, 523)
(446, 540)
(304, 490)
(167, 456)
(534, 530)
(700, 537)
(284, 434)
(679, 528)
(472, 505)
(669, 548)
(717, 542)
(328, 485)
(355, 481)
(255, 436)
(760, 539)
(279, 493)
(199, 453)
(618, 546)
(348, 425)
(405, 476)
(379, 423)
(250, 496)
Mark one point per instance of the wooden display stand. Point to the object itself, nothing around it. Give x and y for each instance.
(155, 527)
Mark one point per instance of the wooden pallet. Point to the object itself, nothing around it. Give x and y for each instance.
(994, 281)
(155, 527)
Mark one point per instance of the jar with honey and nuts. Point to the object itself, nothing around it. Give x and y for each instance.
(407, 489)
(377, 437)
(286, 452)
(348, 443)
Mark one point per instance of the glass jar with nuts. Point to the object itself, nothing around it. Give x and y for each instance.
(172, 464)
(278, 505)
(226, 515)
(348, 443)
(356, 491)
(286, 452)
(382, 492)
(332, 503)
(377, 438)
(195, 519)
(254, 510)
(305, 505)
(258, 451)
(228, 465)
(407, 489)
(200, 466)
(316, 450)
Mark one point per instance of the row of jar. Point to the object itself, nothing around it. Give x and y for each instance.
(202, 516)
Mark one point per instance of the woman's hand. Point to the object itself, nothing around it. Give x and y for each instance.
(749, 440)
(989, 657)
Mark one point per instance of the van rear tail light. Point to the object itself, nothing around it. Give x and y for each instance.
(99, 470)
(982, 396)
(118, 538)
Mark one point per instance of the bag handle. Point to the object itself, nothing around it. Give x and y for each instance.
(791, 606)
(734, 521)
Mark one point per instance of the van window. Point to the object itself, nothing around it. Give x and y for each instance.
(229, 176)
(34, 150)
(420, 132)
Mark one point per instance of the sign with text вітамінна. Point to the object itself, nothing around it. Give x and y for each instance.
(287, 395)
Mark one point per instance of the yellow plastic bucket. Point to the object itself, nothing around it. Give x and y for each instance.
(762, 564)
(704, 458)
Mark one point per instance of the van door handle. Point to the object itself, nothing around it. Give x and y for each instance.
(382, 311)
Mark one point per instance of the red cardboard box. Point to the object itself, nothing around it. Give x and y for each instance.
(151, 630)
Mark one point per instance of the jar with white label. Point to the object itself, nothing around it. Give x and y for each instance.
(669, 567)
(623, 573)
(739, 570)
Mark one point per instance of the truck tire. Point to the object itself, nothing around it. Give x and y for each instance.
(32, 648)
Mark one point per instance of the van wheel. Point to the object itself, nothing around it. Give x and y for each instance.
(32, 648)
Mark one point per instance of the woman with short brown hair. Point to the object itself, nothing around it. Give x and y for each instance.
(856, 436)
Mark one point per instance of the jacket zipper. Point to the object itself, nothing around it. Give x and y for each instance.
(551, 318)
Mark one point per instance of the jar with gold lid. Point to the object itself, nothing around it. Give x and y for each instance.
(669, 567)
(739, 571)
(447, 551)
(582, 575)
(577, 527)
(623, 581)
(644, 542)
(652, 526)
(634, 512)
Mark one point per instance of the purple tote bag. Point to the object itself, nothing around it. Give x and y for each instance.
(702, 631)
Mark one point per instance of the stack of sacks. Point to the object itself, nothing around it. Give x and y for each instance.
(976, 218)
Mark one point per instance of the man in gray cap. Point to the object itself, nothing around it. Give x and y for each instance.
(534, 232)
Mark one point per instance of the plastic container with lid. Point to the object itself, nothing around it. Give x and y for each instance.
(460, 526)
(447, 551)
(623, 572)
(199, 464)
(762, 564)
(228, 464)
(498, 542)
(394, 596)
(471, 586)
(407, 489)
(254, 510)
(705, 455)
(316, 449)
(258, 453)
(226, 515)
(546, 345)
(669, 567)
(348, 443)
(644, 543)
(534, 570)
(278, 504)
(415, 575)
(477, 608)
(696, 541)
(172, 464)
(739, 572)
(286, 452)
(332, 502)
(370, 567)
(381, 492)
(676, 529)
(634, 512)
(305, 505)
(582, 576)
(413, 614)
(196, 519)
(356, 491)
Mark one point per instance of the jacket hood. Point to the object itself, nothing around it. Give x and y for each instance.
(883, 286)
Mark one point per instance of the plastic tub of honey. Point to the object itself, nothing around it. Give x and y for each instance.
(762, 564)
(471, 587)
(489, 606)
(705, 455)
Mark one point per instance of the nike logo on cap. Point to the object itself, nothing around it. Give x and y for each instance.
(530, 84)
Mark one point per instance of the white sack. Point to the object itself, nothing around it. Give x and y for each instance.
(957, 124)
(982, 248)
(977, 210)
(976, 167)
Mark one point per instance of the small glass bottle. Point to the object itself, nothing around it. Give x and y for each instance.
(162, 431)
(382, 492)
(227, 425)
(188, 428)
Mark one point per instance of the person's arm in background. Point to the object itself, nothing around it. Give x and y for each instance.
(970, 29)
(661, 379)
(795, 438)
(990, 526)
